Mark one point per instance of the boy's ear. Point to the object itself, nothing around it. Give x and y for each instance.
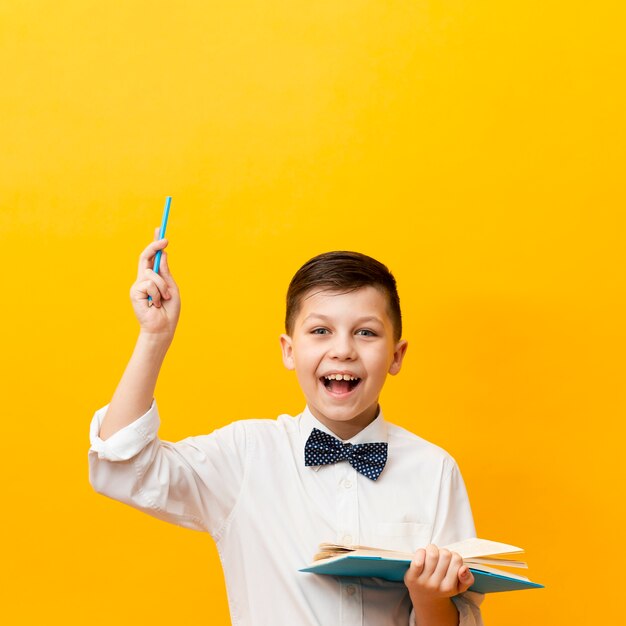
(398, 356)
(287, 348)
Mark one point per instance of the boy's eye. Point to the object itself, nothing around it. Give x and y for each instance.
(366, 332)
(319, 331)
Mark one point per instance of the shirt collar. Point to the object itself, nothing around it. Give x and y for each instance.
(376, 432)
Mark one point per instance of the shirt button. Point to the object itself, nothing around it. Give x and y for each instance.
(350, 590)
(347, 483)
(347, 539)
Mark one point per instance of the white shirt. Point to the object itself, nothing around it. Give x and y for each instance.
(246, 484)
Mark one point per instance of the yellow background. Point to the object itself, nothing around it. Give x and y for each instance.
(476, 147)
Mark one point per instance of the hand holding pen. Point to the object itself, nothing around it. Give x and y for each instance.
(154, 295)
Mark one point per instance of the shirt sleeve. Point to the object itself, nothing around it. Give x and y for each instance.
(453, 518)
(193, 483)
(468, 605)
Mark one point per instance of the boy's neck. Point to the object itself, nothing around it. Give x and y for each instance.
(348, 429)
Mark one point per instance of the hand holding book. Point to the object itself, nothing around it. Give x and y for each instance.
(437, 573)
(433, 578)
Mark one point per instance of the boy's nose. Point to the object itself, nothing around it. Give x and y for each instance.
(343, 348)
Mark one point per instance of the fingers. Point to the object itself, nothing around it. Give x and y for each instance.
(436, 562)
(164, 270)
(159, 286)
(465, 579)
(142, 289)
(425, 562)
(146, 258)
(435, 571)
(449, 577)
(154, 287)
(160, 283)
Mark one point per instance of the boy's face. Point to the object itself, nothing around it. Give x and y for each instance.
(347, 334)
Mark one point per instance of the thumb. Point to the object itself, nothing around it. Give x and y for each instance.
(416, 568)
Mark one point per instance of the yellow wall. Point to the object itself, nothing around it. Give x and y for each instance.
(476, 147)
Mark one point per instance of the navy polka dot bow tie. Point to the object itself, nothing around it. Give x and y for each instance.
(367, 458)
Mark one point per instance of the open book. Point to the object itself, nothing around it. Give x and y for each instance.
(485, 558)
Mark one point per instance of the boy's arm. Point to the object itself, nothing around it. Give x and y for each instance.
(157, 319)
(193, 483)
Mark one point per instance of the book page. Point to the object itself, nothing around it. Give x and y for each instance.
(498, 572)
(481, 547)
(497, 562)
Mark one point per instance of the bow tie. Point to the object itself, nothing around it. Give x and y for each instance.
(367, 458)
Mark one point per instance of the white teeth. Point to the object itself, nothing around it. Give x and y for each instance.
(340, 377)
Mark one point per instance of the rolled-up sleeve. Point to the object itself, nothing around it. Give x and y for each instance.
(193, 483)
(127, 442)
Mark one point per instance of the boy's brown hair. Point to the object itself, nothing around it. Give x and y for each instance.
(343, 271)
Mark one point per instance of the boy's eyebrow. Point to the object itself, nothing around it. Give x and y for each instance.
(365, 318)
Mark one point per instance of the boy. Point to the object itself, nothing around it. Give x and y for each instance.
(270, 491)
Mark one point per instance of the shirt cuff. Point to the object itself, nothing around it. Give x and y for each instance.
(468, 606)
(128, 441)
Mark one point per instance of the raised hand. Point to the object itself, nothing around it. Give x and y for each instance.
(160, 316)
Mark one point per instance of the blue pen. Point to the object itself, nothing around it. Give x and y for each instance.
(166, 213)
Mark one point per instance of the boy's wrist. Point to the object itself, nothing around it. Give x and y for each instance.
(155, 343)
(434, 610)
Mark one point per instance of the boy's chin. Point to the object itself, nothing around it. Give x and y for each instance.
(343, 415)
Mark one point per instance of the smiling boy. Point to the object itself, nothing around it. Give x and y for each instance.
(342, 347)
(269, 491)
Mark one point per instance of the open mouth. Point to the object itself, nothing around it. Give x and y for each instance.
(340, 384)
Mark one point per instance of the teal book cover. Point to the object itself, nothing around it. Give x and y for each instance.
(394, 570)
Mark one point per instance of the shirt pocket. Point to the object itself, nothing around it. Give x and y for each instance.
(402, 536)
